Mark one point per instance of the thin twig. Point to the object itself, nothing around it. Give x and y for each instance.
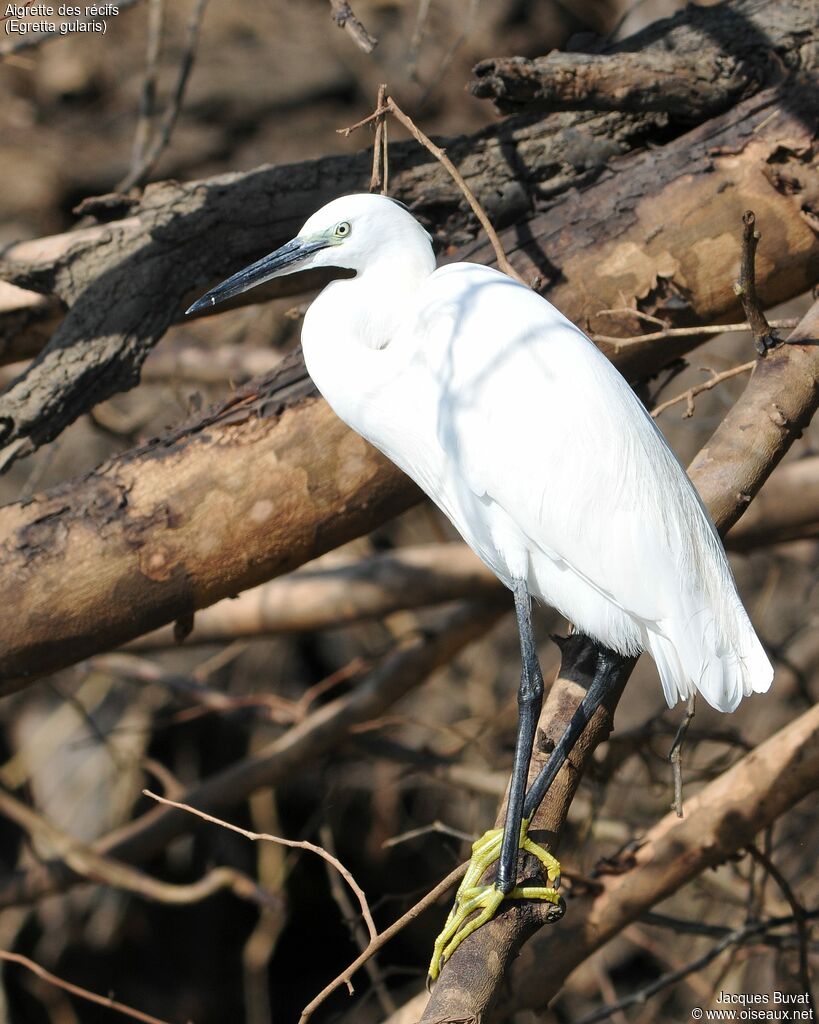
(689, 395)
(296, 844)
(440, 155)
(800, 917)
(88, 863)
(137, 175)
(436, 826)
(383, 938)
(390, 105)
(455, 174)
(675, 754)
(734, 938)
(378, 178)
(344, 17)
(339, 894)
(764, 337)
(787, 323)
(75, 990)
(147, 103)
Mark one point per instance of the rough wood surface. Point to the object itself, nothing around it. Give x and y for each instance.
(662, 224)
(691, 66)
(125, 282)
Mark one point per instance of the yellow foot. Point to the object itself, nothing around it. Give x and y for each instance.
(483, 900)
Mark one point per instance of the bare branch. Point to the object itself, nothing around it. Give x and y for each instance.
(735, 938)
(75, 990)
(414, 657)
(339, 590)
(88, 864)
(295, 844)
(689, 67)
(343, 17)
(149, 155)
(764, 337)
(690, 394)
(800, 917)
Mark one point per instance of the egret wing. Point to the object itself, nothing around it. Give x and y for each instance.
(539, 422)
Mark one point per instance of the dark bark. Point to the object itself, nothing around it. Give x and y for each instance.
(691, 67)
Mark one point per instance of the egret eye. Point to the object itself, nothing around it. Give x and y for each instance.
(342, 230)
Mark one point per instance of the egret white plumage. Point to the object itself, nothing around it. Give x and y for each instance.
(543, 458)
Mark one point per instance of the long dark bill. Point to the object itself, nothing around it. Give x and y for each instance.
(265, 269)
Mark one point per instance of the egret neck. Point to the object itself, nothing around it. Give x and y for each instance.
(352, 331)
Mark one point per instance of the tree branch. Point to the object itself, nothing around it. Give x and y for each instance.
(413, 659)
(691, 66)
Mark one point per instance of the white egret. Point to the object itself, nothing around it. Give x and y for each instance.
(543, 458)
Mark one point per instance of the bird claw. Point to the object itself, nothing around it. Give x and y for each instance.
(484, 900)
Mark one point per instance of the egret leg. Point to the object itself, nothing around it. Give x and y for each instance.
(607, 674)
(530, 701)
(503, 845)
(483, 901)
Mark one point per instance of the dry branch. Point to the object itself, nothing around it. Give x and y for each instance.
(679, 85)
(76, 990)
(89, 865)
(692, 66)
(414, 658)
(344, 17)
(258, 487)
(727, 472)
(294, 844)
(680, 267)
(719, 821)
(181, 237)
(339, 590)
(247, 494)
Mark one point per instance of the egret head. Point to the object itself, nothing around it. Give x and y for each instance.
(353, 232)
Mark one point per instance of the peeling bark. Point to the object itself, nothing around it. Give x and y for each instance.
(264, 483)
